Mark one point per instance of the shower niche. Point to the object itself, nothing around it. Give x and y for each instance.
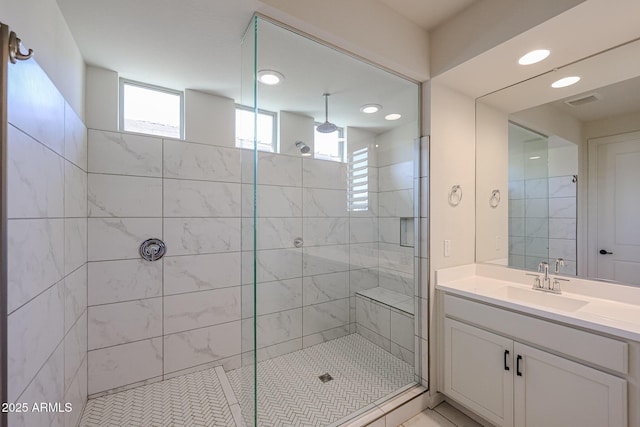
(330, 231)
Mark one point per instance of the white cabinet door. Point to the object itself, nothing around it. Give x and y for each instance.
(551, 391)
(478, 371)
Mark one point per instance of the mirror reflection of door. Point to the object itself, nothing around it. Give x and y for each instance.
(614, 207)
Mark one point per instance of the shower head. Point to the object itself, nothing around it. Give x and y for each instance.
(326, 127)
(305, 150)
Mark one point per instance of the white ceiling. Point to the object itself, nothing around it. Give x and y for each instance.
(188, 43)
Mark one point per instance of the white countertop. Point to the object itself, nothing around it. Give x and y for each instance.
(602, 315)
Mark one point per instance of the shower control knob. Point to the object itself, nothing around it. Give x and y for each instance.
(298, 242)
(152, 249)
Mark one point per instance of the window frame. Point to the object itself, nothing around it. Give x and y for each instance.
(274, 136)
(121, 117)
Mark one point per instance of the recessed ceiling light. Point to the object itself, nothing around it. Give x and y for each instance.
(567, 81)
(393, 116)
(270, 77)
(534, 56)
(370, 108)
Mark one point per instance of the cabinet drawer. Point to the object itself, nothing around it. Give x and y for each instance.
(577, 344)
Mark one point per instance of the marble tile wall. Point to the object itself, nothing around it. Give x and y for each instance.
(542, 222)
(152, 320)
(47, 249)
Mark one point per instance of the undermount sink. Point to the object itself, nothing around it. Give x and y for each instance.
(540, 298)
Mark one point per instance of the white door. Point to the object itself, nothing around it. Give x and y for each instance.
(551, 391)
(614, 208)
(478, 367)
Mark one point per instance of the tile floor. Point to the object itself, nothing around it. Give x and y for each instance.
(443, 415)
(289, 390)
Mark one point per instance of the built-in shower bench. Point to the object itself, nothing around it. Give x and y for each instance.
(385, 317)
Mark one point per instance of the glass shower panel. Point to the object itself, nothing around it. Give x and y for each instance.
(329, 276)
(528, 198)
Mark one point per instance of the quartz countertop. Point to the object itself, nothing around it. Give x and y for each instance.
(607, 316)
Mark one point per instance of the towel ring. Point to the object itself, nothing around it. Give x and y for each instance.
(455, 195)
(494, 200)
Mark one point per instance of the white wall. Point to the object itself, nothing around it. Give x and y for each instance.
(486, 24)
(492, 153)
(403, 46)
(41, 27)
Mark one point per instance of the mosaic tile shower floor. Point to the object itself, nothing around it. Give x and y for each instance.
(289, 390)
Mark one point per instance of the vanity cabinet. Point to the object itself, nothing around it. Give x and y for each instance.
(511, 383)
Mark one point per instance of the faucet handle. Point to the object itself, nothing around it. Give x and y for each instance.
(536, 283)
(542, 266)
(556, 284)
(559, 263)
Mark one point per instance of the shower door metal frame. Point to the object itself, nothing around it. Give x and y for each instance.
(4, 68)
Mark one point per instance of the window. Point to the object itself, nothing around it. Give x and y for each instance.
(329, 146)
(266, 134)
(151, 109)
(359, 180)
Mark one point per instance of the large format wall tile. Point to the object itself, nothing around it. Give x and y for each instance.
(75, 296)
(273, 169)
(325, 316)
(272, 201)
(200, 346)
(191, 236)
(75, 191)
(187, 198)
(117, 366)
(272, 233)
(402, 330)
(126, 280)
(77, 396)
(325, 259)
(374, 317)
(199, 309)
(124, 196)
(274, 264)
(364, 255)
(325, 231)
(75, 349)
(396, 177)
(124, 154)
(120, 238)
(201, 272)
(397, 203)
(394, 257)
(35, 177)
(35, 105)
(273, 328)
(75, 138)
(325, 287)
(34, 332)
(324, 203)
(35, 258)
(75, 243)
(204, 162)
(124, 322)
(324, 174)
(47, 386)
(273, 297)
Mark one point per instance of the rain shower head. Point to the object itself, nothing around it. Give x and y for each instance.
(305, 150)
(326, 127)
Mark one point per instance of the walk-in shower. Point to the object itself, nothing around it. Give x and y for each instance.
(329, 267)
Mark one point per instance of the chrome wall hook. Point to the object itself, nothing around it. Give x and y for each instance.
(14, 49)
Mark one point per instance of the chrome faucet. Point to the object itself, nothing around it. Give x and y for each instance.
(559, 263)
(543, 267)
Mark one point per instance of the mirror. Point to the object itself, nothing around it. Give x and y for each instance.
(564, 165)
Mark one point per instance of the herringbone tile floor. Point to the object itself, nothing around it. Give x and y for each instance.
(289, 391)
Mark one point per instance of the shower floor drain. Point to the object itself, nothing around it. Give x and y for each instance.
(325, 377)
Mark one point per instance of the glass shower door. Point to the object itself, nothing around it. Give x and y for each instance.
(329, 241)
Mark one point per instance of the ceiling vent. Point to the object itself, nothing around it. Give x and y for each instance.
(583, 99)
